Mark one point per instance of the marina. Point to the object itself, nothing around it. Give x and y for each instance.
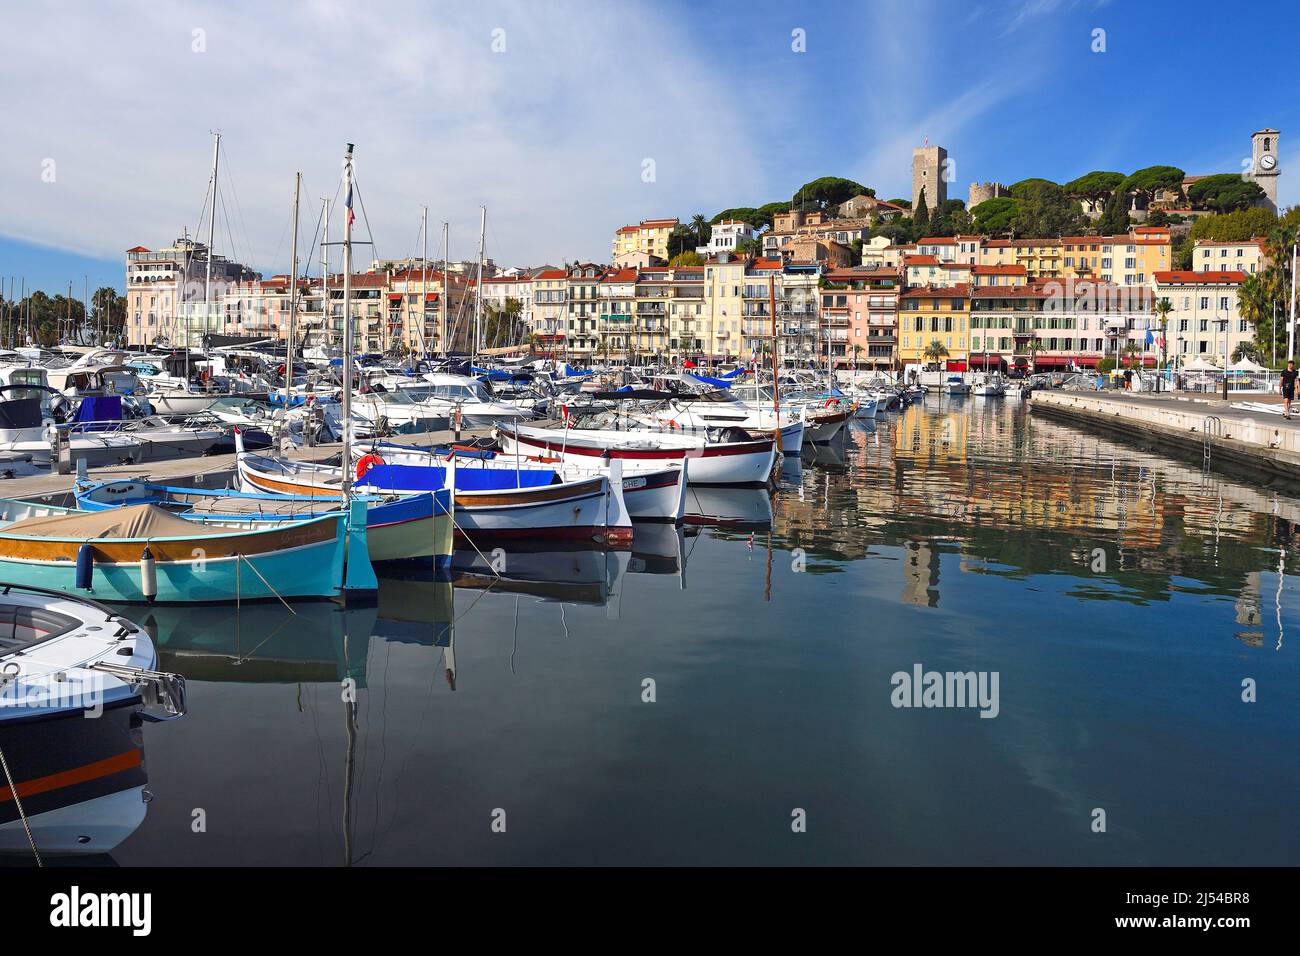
(960, 528)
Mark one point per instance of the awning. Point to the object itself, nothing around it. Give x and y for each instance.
(431, 297)
(955, 365)
(980, 360)
(395, 297)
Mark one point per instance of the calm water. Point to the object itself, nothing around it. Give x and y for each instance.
(1121, 595)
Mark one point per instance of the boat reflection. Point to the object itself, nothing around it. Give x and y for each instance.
(315, 642)
(743, 508)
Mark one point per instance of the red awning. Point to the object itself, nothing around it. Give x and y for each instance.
(431, 297)
(956, 365)
(395, 295)
(980, 360)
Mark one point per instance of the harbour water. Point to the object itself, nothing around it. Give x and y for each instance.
(1121, 596)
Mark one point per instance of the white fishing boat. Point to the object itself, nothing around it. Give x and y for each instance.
(955, 385)
(72, 785)
(989, 386)
(712, 463)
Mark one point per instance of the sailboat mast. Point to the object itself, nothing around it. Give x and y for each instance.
(478, 286)
(325, 271)
(212, 236)
(445, 304)
(347, 328)
(293, 298)
(424, 275)
(776, 398)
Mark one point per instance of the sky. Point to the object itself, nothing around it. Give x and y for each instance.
(568, 120)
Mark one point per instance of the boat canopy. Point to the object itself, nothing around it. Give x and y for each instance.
(134, 521)
(411, 478)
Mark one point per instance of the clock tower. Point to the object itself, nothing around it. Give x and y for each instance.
(1265, 163)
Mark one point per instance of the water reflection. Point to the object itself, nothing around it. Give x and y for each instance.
(1123, 596)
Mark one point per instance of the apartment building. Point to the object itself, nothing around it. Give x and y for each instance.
(164, 287)
(649, 237)
(1058, 324)
(725, 236)
(583, 308)
(930, 314)
(952, 249)
(1248, 256)
(926, 270)
(1205, 321)
(616, 293)
(864, 303)
(550, 315)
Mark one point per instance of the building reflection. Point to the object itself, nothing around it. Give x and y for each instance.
(1015, 494)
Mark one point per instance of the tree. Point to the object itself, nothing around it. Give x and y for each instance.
(748, 247)
(828, 191)
(1097, 186)
(1025, 186)
(1114, 218)
(700, 226)
(1245, 350)
(935, 351)
(690, 258)
(1044, 210)
(1235, 226)
(993, 217)
(1162, 309)
(745, 214)
(857, 350)
(921, 217)
(905, 203)
(680, 240)
(1147, 182)
(1224, 192)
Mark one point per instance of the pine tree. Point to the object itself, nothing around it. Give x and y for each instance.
(921, 215)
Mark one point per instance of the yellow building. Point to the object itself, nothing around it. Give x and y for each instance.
(650, 237)
(933, 313)
(720, 328)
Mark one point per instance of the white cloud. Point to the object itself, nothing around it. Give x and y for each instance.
(550, 134)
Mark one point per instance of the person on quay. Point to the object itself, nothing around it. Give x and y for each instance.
(1287, 382)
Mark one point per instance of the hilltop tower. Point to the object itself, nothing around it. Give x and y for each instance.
(928, 168)
(1265, 162)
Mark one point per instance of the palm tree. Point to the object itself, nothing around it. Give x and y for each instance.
(1162, 309)
(1245, 350)
(700, 226)
(935, 351)
(857, 350)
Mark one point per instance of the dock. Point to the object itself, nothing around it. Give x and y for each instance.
(212, 471)
(1259, 441)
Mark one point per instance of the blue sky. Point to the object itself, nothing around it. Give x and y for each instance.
(551, 130)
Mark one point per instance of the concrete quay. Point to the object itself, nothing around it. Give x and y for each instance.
(1259, 441)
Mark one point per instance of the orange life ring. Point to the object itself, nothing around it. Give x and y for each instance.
(366, 463)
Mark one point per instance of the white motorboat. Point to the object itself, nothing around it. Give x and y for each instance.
(80, 783)
(989, 386)
(955, 385)
(449, 395)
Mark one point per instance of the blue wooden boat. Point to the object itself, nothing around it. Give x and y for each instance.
(142, 554)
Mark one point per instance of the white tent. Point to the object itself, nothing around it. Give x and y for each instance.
(1246, 365)
(1201, 364)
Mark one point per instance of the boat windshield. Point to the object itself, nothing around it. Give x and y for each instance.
(448, 393)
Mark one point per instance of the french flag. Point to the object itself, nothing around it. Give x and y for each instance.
(352, 217)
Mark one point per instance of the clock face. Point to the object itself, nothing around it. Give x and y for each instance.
(1267, 162)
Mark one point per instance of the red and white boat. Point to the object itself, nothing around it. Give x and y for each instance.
(711, 463)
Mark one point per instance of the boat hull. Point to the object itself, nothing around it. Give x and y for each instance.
(735, 463)
(80, 781)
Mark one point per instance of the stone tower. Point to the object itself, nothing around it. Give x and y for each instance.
(929, 166)
(1265, 162)
(983, 192)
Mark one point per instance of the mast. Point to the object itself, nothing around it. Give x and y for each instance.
(445, 304)
(776, 398)
(293, 303)
(325, 271)
(347, 330)
(212, 235)
(478, 288)
(424, 276)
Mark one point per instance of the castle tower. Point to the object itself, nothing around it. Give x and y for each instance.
(1265, 162)
(929, 165)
